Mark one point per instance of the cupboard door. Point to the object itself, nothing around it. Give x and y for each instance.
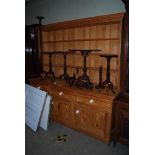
(90, 120)
(81, 118)
(97, 123)
(55, 109)
(66, 112)
(122, 126)
(63, 111)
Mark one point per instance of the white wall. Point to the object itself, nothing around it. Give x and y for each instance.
(62, 10)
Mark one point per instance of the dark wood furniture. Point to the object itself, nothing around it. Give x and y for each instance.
(32, 63)
(32, 50)
(84, 81)
(124, 84)
(50, 72)
(65, 75)
(120, 129)
(100, 79)
(107, 83)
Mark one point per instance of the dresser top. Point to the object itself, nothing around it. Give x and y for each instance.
(63, 85)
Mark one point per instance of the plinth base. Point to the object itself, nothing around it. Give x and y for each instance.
(64, 77)
(107, 85)
(51, 75)
(43, 74)
(84, 82)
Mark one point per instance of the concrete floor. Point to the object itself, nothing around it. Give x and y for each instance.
(44, 143)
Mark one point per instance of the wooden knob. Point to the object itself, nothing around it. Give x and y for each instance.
(55, 83)
(61, 93)
(77, 111)
(91, 101)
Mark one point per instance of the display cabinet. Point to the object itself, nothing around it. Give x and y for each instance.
(32, 50)
(32, 62)
(120, 130)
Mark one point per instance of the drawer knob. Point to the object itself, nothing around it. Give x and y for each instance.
(91, 101)
(77, 111)
(55, 83)
(61, 93)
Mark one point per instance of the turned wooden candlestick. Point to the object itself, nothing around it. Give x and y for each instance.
(43, 73)
(100, 78)
(51, 73)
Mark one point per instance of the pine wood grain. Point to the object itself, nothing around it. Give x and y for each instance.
(101, 32)
(83, 110)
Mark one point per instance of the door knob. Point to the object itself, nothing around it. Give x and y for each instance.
(61, 93)
(91, 101)
(77, 111)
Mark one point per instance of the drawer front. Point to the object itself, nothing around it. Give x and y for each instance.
(62, 94)
(56, 91)
(91, 121)
(41, 86)
(95, 103)
(63, 111)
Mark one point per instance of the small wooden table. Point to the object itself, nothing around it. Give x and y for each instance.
(107, 82)
(83, 81)
(50, 73)
(65, 75)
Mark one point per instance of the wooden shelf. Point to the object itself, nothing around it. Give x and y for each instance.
(73, 40)
(97, 53)
(90, 21)
(79, 67)
(100, 32)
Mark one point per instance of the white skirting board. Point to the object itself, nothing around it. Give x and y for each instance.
(37, 107)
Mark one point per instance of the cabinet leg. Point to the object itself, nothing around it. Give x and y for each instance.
(114, 143)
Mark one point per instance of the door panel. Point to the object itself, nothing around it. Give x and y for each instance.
(97, 123)
(63, 110)
(55, 109)
(81, 118)
(90, 120)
